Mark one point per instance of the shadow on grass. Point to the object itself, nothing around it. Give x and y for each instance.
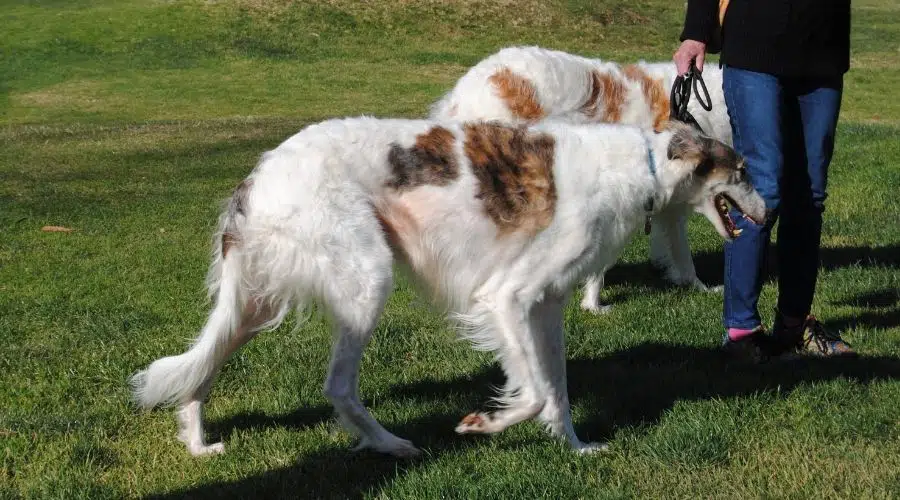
(885, 297)
(868, 319)
(331, 472)
(710, 265)
(632, 387)
(882, 310)
(302, 418)
(629, 388)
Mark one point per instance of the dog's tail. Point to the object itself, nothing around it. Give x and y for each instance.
(179, 378)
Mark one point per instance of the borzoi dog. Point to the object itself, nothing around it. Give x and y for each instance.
(522, 85)
(497, 222)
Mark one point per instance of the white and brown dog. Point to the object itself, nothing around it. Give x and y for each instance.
(523, 85)
(498, 222)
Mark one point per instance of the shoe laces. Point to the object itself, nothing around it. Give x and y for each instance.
(818, 334)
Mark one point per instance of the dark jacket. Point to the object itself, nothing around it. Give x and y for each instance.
(780, 37)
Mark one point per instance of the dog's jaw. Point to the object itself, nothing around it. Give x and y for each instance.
(711, 212)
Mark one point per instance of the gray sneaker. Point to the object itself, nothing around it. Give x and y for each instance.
(810, 338)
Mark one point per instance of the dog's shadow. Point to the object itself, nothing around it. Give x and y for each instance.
(631, 387)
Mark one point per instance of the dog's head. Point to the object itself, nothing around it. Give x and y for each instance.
(714, 178)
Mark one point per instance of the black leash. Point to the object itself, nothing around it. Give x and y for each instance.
(681, 94)
(678, 110)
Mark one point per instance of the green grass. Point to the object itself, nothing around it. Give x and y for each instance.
(131, 121)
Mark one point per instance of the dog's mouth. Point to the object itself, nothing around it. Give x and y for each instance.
(719, 209)
(728, 205)
(723, 203)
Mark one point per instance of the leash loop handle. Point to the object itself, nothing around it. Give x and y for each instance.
(681, 95)
(698, 78)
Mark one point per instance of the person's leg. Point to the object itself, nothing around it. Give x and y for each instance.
(811, 114)
(754, 103)
(810, 119)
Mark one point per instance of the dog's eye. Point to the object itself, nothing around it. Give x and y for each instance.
(705, 166)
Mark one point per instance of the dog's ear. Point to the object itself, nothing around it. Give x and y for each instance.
(686, 143)
(703, 153)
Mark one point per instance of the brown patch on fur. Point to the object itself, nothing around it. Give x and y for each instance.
(589, 108)
(606, 89)
(514, 169)
(237, 206)
(519, 95)
(654, 93)
(431, 160)
(228, 240)
(721, 162)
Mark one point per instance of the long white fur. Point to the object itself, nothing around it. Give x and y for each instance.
(309, 231)
(562, 85)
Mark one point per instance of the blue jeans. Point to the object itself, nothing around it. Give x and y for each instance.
(784, 128)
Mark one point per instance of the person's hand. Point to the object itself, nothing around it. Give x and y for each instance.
(690, 50)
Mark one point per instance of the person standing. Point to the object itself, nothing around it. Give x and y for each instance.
(783, 66)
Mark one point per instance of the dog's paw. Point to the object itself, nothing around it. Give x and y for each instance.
(595, 308)
(475, 423)
(202, 450)
(696, 284)
(588, 448)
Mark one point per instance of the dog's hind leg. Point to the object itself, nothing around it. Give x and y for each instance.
(590, 300)
(190, 413)
(357, 289)
(546, 318)
(186, 378)
(523, 395)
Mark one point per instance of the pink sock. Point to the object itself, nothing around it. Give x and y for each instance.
(735, 334)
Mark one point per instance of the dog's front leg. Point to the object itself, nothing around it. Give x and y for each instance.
(682, 256)
(546, 319)
(670, 249)
(590, 301)
(523, 397)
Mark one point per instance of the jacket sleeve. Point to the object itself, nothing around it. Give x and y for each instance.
(700, 20)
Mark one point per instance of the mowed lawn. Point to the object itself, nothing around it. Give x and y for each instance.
(131, 121)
